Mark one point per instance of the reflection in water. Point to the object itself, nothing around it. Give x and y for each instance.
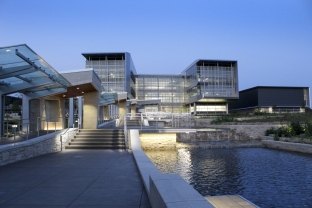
(266, 177)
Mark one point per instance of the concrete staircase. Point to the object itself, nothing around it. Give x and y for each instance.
(135, 123)
(98, 139)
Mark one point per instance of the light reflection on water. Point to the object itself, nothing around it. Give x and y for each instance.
(266, 177)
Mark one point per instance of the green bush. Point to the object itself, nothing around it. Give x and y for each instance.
(222, 119)
(296, 128)
(285, 131)
(308, 128)
(270, 131)
(276, 138)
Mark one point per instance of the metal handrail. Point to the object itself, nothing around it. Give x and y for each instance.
(25, 129)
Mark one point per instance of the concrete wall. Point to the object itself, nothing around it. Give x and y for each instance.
(289, 146)
(160, 141)
(34, 147)
(122, 106)
(90, 110)
(164, 190)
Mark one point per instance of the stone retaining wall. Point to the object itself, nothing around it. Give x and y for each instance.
(164, 190)
(45, 144)
(289, 146)
(159, 141)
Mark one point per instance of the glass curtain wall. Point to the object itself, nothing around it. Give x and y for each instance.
(217, 79)
(111, 71)
(211, 79)
(169, 89)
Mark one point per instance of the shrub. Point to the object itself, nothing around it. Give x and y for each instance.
(223, 119)
(308, 128)
(270, 131)
(296, 128)
(285, 131)
(276, 138)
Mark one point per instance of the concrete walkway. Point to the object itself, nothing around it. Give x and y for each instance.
(73, 178)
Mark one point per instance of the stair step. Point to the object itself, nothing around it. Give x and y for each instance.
(99, 136)
(94, 147)
(99, 139)
(100, 130)
(96, 142)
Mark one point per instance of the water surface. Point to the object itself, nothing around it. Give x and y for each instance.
(268, 178)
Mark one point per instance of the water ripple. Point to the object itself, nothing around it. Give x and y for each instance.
(269, 178)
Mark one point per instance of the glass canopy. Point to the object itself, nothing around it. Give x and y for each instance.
(108, 98)
(24, 71)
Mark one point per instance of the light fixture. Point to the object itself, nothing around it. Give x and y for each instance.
(7, 50)
(64, 95)
(82, 92)
(77, 88)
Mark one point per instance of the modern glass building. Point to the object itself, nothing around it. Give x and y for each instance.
(117, 74)
(116, 71)
(209, 85)
(204, 88)
(168, 89)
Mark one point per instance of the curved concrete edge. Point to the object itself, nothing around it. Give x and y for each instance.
(164, 190)
(289, 146)
(41, 145)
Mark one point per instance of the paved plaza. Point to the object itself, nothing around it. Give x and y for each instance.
(73, 178)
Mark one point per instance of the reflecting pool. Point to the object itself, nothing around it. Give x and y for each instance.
(268, 178)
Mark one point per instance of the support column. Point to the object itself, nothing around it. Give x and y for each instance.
(194, 109)
(80, 110)
(71, 113)
(101, 113)
(106, 112)
(90, 110)
(25, 113)
(133, 110)
(122, 105)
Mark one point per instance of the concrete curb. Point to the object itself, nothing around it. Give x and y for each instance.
(164, 190)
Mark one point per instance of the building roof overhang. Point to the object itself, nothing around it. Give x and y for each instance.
(24, 71)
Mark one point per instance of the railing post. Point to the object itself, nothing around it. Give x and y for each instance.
(142, 120)
(27, 131)
(38, 125)
(47, 126)
(125, 130)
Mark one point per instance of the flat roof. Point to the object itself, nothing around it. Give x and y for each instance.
(160, 75)
(212, 61)
(273, 87)
(106, 55)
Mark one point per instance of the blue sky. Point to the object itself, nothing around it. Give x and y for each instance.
(271, 40)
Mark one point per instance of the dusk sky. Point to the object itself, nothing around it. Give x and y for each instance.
(271, 40)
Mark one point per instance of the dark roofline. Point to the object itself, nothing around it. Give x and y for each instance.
(159, 75)
(272, 87)
(207, 60)
(104, 54)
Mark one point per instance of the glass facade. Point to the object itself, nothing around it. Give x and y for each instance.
(115, 70)
(209, 84)
(204, 87)
(169, 89)
(211, 79)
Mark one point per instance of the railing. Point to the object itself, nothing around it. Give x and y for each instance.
(111, 118)
(158, 120)
(70, 134)
(16, 130)
(155, 120)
